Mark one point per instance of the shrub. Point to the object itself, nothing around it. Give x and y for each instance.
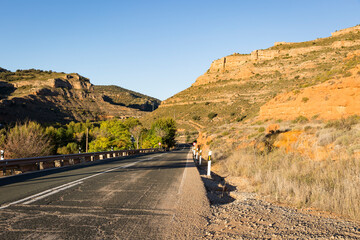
(343, 123)
(239, 119)
(347, 74)
(305, 99)
(27, 140)
(196, 117)
(307, 128)
(212, 115)
(315, 116)
(225, 133)
(300, 119)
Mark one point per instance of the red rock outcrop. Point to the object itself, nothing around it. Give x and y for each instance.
(333, 99)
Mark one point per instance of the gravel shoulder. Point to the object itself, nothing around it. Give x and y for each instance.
(235, 213)
(192, 206)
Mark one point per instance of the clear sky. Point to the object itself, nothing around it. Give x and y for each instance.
(155, 47)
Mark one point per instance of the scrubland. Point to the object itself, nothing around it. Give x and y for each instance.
(305, 179)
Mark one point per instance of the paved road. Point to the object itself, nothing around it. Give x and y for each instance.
(117, 199)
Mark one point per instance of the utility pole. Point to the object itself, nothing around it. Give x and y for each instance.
(87, 139)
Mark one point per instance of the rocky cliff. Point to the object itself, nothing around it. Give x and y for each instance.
(47, 96)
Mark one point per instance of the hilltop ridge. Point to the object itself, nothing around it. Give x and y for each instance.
(34, 94)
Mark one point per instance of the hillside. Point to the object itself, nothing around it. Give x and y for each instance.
(47, 96)
(284, 120)
(235, 87)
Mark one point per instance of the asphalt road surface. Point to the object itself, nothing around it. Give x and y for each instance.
(132, 198)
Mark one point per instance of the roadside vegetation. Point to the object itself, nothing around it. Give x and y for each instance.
(30, 139)
(288, 177)
(311, 164)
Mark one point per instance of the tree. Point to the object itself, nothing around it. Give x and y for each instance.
(136, 132)
(112, 133)
(163, 130)
(69, 148)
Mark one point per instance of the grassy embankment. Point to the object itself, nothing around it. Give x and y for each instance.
(329, 184)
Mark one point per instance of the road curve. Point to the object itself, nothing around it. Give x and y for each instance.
(132, 198)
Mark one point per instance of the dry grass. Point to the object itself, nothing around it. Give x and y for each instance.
(327, 185)
(26, 140)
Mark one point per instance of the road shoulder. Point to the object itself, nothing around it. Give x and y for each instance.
(192, 207)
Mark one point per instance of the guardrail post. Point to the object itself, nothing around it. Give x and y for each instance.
(41, 165)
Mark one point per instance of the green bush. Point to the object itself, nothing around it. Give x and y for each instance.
(305, 99)
(343, 123)
(239, 119)
(196, 117)
(212, 115)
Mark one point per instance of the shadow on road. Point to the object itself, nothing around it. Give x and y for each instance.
(217, 189)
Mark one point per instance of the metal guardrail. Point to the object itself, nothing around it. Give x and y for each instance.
(21, 165)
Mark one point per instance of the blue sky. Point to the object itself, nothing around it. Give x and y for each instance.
(157, 48)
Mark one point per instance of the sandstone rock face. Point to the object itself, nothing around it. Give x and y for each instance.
(242, 66)
(264, 54)
(334, 99)
(70, 81)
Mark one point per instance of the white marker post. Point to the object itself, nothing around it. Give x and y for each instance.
(2, 155)
(200, 158)
(209, 164)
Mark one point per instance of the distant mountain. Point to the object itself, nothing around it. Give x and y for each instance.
(47, 96)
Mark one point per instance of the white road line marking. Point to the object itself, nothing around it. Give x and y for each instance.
(51, 193)
(54, 190)
(184, 175)
(188, 157)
